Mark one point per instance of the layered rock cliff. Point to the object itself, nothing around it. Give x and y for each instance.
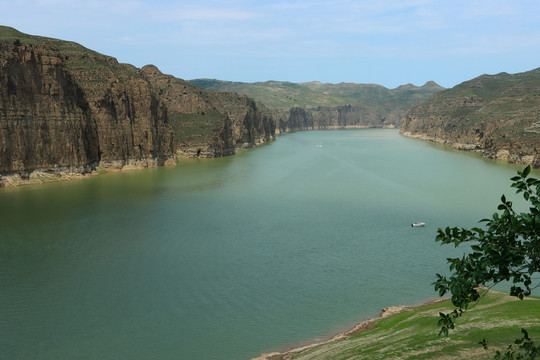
(496, 115)
(210, 124)
(45, 119)
(337, 117)
(65, 108)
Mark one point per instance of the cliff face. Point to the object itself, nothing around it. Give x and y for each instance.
(45, 119)
(65, 108)
(251, 124)
(338, 117)
(497, 115)
(210, 124)
(72, 110)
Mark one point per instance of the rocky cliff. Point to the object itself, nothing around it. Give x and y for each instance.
(68, 109)
(65, 108)
(206, 123)
(45, 119)
(337, 117)
(496, 115)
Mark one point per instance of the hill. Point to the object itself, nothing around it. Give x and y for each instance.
(496, 115)
(315, 105)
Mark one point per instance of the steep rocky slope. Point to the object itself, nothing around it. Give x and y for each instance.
(496, 115)
(45, 118)
(314, 105)
(207, 123)
(68, 109)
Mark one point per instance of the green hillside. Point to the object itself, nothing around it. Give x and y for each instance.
(413, 333)
(283, 95)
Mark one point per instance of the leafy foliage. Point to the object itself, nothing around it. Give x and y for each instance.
(507, 249)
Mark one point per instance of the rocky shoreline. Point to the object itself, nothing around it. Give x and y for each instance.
(357, 329)
(35, 177)
(502, 155)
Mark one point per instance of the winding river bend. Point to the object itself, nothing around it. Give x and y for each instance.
(231, 257)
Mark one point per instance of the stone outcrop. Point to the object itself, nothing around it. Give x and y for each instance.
(337, 117)
(68, 109)
(210, 124)
(72, 110)
(45, 119)
(495, 115)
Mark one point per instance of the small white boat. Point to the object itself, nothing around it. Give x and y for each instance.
(418, 224)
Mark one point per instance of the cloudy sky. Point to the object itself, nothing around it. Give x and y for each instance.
(375, 41)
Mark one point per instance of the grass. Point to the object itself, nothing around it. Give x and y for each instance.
(194, 127)
(413, 333)
(10, 34)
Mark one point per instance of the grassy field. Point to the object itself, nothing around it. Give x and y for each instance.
(413, 333)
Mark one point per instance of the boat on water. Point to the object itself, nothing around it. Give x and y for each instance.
(418, 224)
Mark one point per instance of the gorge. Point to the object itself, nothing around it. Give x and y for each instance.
(68, 111)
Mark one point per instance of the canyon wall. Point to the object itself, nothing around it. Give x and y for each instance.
(210, 124)
(68, 109)
(74, 110)
(45, 119)
(495, 115)
(336, 117)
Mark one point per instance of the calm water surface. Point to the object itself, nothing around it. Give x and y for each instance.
(227, 258)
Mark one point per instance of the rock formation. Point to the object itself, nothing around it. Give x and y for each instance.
(496, 115)
(210, 124)
(45, 119)
(65, 108)
(314, 105)
(68, 109)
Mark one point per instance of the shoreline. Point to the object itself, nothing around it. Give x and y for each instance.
(359, 328)
(500, 155)
(47, 176)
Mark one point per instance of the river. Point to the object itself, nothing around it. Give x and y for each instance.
(227, 258)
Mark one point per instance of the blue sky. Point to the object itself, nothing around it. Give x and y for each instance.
(377, 41)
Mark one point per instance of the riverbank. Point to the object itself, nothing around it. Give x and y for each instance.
(359, 328)
(408, 332)
(502, 155)
(37, 177)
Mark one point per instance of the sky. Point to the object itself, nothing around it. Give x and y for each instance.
(385, 42)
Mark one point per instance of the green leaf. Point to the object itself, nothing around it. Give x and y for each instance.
(526, 171)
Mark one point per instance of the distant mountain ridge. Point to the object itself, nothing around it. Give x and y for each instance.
(316, 105)
(496, 115)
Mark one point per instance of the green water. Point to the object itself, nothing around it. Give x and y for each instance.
(227, 258)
